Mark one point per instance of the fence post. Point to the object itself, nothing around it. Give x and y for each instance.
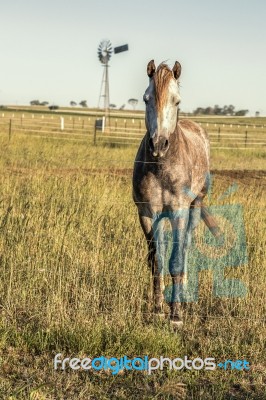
(10, 129)
(246, 138)
(219, 134)
(62, 123)
(94, 136)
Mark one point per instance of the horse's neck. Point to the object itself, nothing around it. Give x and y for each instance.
(175, 136)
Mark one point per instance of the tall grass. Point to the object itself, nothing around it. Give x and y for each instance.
(74, 281)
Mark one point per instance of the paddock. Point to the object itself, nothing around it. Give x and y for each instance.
(68, 263)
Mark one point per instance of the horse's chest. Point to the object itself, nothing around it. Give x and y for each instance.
(164, 188)
(172, 188)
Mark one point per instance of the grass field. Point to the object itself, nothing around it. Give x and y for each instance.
(74, 279)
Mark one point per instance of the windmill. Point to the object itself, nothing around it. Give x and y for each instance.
(104, 53)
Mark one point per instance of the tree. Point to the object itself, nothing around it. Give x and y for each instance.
(225, 110)
(73, 103)
(83, 103)
(112, 105)
(133, 103)
(198, 111)
(53, 107)
(34, 103)
(208, 111)
(122, 107)
(44, 103)
(241, 113)
(231, 110)
(217, 110)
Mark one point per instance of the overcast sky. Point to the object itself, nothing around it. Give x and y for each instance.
(49, 50)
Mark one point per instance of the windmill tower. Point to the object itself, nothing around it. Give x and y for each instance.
(104, 53)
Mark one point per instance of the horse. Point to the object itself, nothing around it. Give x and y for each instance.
(170, 181)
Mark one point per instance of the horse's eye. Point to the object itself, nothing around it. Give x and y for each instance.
(146, 98)
(175, 100)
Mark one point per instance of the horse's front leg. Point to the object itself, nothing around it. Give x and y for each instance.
(177, 268)
(154, 262)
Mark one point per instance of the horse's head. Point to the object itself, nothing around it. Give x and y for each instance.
(162, 99)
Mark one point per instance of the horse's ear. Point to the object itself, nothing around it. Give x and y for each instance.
(151, 69)
(177, 70)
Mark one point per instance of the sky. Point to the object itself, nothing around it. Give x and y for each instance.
(49, 50)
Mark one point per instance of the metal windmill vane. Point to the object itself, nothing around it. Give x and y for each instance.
(105, 51)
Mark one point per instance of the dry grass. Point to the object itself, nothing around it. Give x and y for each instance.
(74, 280)
(125, 127)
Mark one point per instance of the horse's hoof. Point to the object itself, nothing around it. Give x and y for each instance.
(176, 325)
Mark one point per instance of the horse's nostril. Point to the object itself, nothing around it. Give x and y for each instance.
(166, 144)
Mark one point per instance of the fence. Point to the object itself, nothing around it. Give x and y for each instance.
(123, 131)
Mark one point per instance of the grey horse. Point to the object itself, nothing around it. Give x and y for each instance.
(170, 180)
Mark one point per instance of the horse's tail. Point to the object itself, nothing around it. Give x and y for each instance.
(211, 223)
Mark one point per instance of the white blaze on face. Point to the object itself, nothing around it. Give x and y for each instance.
(162, 122)
(167, 117)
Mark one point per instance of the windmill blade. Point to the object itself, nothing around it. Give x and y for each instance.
(105, 51)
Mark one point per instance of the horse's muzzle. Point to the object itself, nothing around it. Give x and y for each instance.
(158, 146)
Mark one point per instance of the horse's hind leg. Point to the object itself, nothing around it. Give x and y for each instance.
(177, 263)
(154, 263)
(194, 219)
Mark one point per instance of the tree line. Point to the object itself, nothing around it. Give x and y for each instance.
(83, 103)
(217, 110)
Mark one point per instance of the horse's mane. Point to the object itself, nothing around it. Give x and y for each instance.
(161, 77)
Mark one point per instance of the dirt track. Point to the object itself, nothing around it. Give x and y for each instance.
(241, 174)
(244, 176)
(253, 177)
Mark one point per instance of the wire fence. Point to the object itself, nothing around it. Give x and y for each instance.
(126, 132)
(130, 132)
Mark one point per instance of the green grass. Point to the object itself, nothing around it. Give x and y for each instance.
(74, 280)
